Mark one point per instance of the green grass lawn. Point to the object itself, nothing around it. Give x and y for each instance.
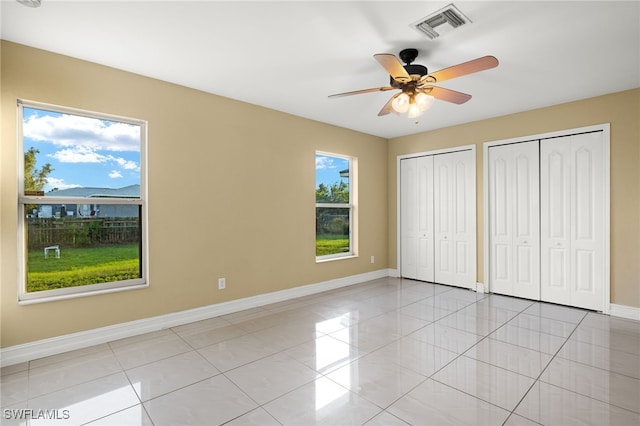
(82, 266)
(331, 244)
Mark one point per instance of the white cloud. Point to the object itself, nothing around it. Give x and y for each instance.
(84, 154)
(76, 131)
(79, 154)
(115, 174)
(53, 182)
(324, 163)
(126, 164)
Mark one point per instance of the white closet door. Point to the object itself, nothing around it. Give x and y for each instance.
(572, 220)
(409, 217)
(454, 218)
(425, 270)
(416, 176)
(514, 220)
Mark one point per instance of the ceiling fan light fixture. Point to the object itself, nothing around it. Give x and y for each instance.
(401, 103)
(416, 93)
(414, 111)
(424, 101)
(413, 104)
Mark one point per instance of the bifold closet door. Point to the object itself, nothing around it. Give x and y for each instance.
(572, 220)
(416, 176)
(455, 219)
(514, 220)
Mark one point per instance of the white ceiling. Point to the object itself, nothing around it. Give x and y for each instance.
(290, 55)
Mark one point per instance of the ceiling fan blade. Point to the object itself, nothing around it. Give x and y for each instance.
(446, 94)
(475, 65)
(358, 92)
(393, 66)
(387, 108)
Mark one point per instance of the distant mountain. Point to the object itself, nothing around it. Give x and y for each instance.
(131, 191)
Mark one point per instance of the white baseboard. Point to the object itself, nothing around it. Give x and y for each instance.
(480, 288)
(622, 311)
(55, 345)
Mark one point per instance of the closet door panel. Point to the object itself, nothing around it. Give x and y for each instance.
(425, 271)
(588, 227)
(465, 214)
(416, 225)
(572, 185)
(514, 220)
(526, 220)
(455, 254)
(461, 215)
(443, 207)
(409, 218)
(555, 187)
(500, 220)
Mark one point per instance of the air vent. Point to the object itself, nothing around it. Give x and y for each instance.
(443, 21)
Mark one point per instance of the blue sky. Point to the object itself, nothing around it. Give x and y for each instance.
(83, 151)
(328, 169)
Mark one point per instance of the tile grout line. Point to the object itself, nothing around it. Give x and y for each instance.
(537, 380)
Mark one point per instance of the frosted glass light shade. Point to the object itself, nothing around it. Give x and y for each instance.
(423, 101)
(414, 111)
(401, 103)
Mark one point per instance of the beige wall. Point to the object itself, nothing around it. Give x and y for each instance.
(622, 110)
(231, 190)
(231, 194)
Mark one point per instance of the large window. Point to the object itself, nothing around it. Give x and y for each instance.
(82, 202)
(334, 206)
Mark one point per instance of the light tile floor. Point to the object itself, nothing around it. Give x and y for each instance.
(385, 352)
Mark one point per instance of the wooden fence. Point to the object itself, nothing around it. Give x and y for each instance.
(81, 232)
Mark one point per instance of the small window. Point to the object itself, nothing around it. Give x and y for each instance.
(334, 206)
(82, 202)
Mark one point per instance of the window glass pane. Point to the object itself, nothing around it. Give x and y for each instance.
(69, 249)
(69, 155)
(332, 179)
(88, 233)
(333, 223)
(332, 231)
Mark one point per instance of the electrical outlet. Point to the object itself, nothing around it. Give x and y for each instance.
(373, 259)
(222, 283)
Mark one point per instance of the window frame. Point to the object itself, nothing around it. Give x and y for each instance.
(25, 297)
(353, 161)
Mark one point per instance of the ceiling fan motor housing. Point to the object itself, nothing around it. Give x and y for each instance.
(408, 56)
(416, 69)
(412, 70)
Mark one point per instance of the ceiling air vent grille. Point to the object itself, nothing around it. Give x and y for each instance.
(440, 22)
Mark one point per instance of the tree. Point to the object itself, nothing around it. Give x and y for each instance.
(35, 179)
(337, 193)
(332, 220)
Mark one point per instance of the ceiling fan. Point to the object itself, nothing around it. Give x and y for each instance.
(415, 82)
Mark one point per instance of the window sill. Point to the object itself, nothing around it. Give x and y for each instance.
(331, 259)
(45, 299)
